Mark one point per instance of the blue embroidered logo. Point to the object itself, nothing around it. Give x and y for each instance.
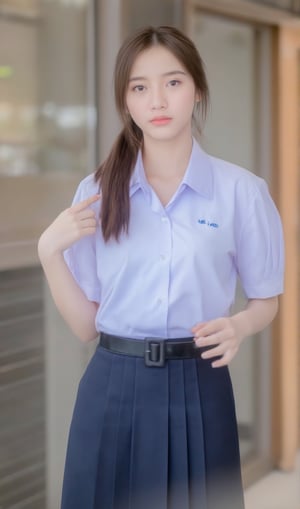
(208, 223)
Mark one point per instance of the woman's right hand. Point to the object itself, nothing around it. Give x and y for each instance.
(70, 226)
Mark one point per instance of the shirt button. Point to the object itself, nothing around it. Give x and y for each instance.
(164, 219)
(163, 257)
(159, 301)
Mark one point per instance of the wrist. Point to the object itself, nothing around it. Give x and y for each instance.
(46, 249)
(241, 324)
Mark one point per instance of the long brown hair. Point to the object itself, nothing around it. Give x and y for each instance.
(115, 173)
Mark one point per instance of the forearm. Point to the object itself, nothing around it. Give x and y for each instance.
(257, 315)
(73, 305)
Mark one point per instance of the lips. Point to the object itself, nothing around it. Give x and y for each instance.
(160, 120)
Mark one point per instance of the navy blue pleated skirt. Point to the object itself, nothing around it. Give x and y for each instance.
(153, 437)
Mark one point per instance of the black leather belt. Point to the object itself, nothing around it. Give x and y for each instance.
(154, 350)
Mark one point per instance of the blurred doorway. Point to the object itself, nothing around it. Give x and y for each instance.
(238, 57)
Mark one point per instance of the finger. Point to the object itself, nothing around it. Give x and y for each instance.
(210, 328)
(213, 339)
(219, 363)
(86, 214)
(206, 329)
(226, 359)
(85, 203)
(88, 223)
(82, 228)
(198, 327)
(213, 352)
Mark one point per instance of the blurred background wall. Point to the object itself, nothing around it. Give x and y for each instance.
(57, 123)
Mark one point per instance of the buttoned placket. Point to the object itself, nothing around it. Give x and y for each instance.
(164, 261)
(164, 256)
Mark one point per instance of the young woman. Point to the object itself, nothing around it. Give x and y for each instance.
(148, 257)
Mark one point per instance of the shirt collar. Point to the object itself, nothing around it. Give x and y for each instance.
(138, 179)
(198, 175)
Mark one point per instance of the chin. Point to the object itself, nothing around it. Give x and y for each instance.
(162, 134)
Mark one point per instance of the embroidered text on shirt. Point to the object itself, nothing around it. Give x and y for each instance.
(208, 223)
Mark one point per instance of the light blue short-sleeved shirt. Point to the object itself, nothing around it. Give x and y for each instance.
(180, 263)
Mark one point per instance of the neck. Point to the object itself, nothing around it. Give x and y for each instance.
(166, 159)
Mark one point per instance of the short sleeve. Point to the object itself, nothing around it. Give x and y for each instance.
(260, 249)
(81, 256)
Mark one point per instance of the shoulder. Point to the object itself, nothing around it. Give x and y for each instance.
(88, 186)
(229, 177)
(222, 178)
(230, 172)
(248, 197)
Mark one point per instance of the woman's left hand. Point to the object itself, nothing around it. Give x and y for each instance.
(222, 336)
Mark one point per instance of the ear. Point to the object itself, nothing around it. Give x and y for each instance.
(197, 97)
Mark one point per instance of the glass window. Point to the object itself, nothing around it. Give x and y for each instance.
(18, 89)
(47, 116)
(44, 112)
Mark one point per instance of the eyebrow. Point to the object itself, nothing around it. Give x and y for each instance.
(169, 73)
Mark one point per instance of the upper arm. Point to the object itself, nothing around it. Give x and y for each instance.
(260, 247)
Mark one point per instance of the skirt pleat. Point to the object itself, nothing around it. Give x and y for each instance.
(178, 472)
(195, 445)
(106, 477)
(80, 477)
(152, 438)
(149, 448)
(124, 439)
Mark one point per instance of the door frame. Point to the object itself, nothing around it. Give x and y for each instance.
(286, 415)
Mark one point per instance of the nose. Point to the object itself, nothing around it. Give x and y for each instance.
(158, 99)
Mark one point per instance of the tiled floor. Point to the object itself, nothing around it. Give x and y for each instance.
(279, 490)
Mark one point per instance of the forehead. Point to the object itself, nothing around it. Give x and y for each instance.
(156, 60)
